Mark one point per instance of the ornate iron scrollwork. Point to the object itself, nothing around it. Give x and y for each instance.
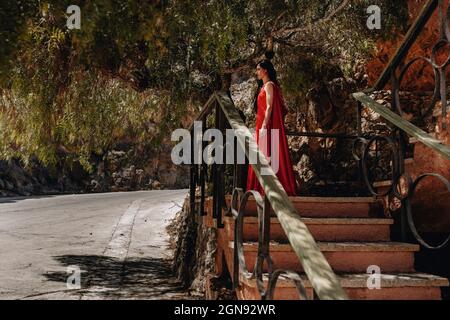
(394, 163)
(409, 216)
(402, 186)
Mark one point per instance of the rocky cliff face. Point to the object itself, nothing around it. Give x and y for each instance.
(120, 170)
(195, 249)
(320, 163)
(421, 76)
(16, 180)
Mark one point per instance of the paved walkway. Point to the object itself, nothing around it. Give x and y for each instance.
(117, 242)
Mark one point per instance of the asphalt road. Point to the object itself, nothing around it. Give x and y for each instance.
(93, 246)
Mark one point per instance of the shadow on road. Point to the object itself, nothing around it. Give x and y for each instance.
(108, 278)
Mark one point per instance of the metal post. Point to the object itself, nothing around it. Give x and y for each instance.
(403, 220)
(358, 119)
(359, 132)
(214, 169)
(220, 169)
(192, 181)
(203, 171)
(266, 226)
(443, 93)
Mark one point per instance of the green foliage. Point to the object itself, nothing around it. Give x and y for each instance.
(66, 94)
(90, 116)
(332, 49)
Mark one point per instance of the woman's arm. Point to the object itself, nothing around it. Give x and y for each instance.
(269, 104)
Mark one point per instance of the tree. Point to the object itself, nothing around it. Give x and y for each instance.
(74, 92)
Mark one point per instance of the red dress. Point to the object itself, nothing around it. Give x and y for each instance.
(285, 171)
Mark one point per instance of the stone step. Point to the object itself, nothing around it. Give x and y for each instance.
(322, 229)
(382, 187)
(342, 256)
(385, 185)
(323, 207)
(409, 167)
(393, 286)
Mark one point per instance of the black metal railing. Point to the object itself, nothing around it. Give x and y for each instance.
(322, 280)
(366, 148)
(359, 181)
(403, 186)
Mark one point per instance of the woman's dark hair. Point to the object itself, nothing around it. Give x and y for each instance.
(266, 65)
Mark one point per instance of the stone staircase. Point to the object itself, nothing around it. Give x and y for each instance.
(418, 161)
(351, 232)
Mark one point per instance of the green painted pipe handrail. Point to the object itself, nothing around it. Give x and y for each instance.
(403, 124)
(321, 276)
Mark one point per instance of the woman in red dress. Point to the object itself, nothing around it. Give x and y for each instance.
(270, 114)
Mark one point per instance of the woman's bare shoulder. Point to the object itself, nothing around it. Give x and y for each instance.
(269, 84)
